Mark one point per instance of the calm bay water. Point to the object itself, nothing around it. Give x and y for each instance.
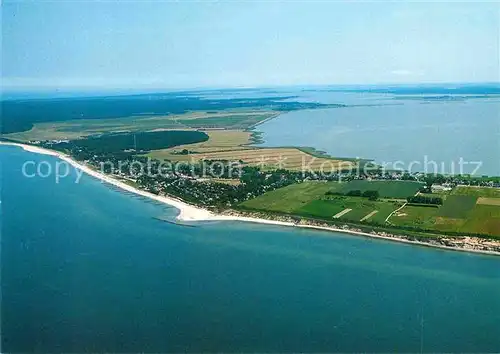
(87, 268)
(388, 131)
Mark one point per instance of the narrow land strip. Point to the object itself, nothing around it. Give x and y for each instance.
(343, 212)
(369, 215)
(192, 213)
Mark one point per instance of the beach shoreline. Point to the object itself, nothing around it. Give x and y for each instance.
(188, 212)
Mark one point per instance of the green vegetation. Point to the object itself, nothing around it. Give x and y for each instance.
(218, 140)
(424, 199)
(459, 214)
(289, 198)
(78, 128)
(457, 206)
(323, 208)
(314, 199)
(132, 141)
(361, 207)
(483, 219)
(371, 195)
(477, 191)
(417, 216)
(462, 212)
(385, 189)
(270, 180)
(21, 115)
(291, 159)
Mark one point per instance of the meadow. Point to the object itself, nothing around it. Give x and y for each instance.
(79, 128)
(457, 206)
(386, 189)
(21, 114)
(462, 213)
(361, 208)
(483, 219)
(234, 145)
(309, 199)
(419, 216)
(466, 210)
(290, 198)
(485, 192)
(292, 159)
(219, 140)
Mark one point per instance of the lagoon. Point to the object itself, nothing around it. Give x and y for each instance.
(413, 134)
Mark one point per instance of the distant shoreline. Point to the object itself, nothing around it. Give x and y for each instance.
(188, 212)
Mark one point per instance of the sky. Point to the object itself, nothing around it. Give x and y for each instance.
(184, 44)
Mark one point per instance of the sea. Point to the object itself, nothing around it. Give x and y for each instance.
(86, 267)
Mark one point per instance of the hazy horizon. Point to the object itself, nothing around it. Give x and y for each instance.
(189, 45)
(319, 87)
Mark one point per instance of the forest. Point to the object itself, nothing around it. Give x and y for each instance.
(20, 114)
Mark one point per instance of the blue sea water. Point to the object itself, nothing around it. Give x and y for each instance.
(410, 134)
(86, 267)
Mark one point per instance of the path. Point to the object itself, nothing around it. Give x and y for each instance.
(343, 212)
(369, 215)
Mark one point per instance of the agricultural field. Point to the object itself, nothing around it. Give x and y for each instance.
(75, 129)
(417, 216)
(289, 198)
(465, 210)
(386, 189)
(308, 199)
(218, 140)
(457, 206)
(488, 201)
(233, 145)
(272, 158)
(449, 224)
(78, 128)
(459, 213)
(486, 192)
(483, 219)
(360, 208)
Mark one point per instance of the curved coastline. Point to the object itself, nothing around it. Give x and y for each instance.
(188, 212)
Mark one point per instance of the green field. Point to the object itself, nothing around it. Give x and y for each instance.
(361, 207)
(459, 213)
(457, 206)
(415, 216)
(386, 189)
(75, 129)
(308, 199)
(483, 219)
(78, 128)
(487, 192)
(322, 208)
(289, 198)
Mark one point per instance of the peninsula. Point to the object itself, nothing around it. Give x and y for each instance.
(208, 164)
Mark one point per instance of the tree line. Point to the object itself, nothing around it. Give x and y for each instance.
(423, 199)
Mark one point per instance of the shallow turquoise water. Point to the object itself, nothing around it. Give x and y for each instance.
(85, 267)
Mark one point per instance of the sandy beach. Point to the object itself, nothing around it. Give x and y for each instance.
(188, 212)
